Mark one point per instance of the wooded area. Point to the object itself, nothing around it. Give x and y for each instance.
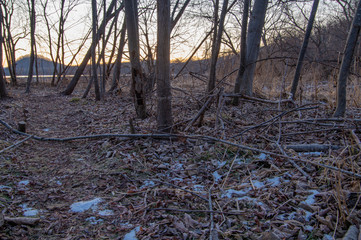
(222, 119)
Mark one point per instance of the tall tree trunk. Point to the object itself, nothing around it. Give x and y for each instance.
(164, 109)
(242, 66)
(31, 6)
(71, 86)
(137, 88)
(3, 92)
(118, 60)
(93, 54)
(303, 49)
(254, 34)
(211, 79)
(346, 63)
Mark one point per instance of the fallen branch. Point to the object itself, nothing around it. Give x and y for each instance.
(259, 99)
(357, 140)
(16, 144)
(172, 136)
(312, 147)
(195, 211)
(22, 220)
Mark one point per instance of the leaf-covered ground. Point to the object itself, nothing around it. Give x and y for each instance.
(184, 188)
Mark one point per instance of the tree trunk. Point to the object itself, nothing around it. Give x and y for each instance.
(3, 92)
(242, 67)
(303, 49)
(137, 87)
(71, 86)
(93, 50)
(254, 34)
(346, 63)
(164, 109)
(118, 61)
(31, 6)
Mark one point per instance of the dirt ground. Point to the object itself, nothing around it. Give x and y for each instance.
(190, 187)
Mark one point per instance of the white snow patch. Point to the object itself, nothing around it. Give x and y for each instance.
(85, 205)
(221, 164)
(327, 237)
(257, 184)
(106, 212)
(262, 157)
(148, 183)
(308, 228)
(311, 198)
(308, 215)
(29, 212)
(229, 193)
(24, 182)
(131, 234)
(46, 129)
(274, 181)
(177, 179)
(59, 183)
(178, 166)
(3, 187)
(198, 188)
(310, 154)
(216, 176)
(93, 220)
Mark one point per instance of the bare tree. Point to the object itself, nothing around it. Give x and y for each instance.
(93, 49)
(110, 14)
(164, 110)
(137, 87)
(346, 63)
(118, 60)
(303, 49)
(242, 66)
(216, 44)
(254, 34)
(3, 92)
(31, 6)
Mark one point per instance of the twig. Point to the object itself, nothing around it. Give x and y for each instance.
(294, 163)
(16, 144)
(274, 118)
(22, 220)
(200, 112)
(195, 211)
(170, 136)
(173, 185)
(357, 140)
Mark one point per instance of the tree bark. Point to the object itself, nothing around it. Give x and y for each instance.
(71, 86)
(3, 92)
(137, 87)
(346, 63)
(254, 34)
(242, 67)
(164, 109)
(93, 50)
(118, 61)
(31, 6)
(303, 49)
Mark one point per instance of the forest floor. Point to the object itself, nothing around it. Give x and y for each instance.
(191, 187)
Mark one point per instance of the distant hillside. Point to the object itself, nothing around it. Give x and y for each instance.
(46, 67)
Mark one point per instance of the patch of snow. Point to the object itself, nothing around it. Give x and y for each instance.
(327, 237)
(29, 212)
(148, 183)
(286, 216)
(198, 188)
(262, 157)
(24, 182)
(178, 166)
(274, 181)
(59, 183)
(46, 129)
(308, 215)
(229, 193)
(93, 220)
(177, 179)
(85, 205)
(3, 187)
(216, 176)
(311, 198)
(257, 184)
(106, 212)
(220, 164)
(131, 234)
(308, 228)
